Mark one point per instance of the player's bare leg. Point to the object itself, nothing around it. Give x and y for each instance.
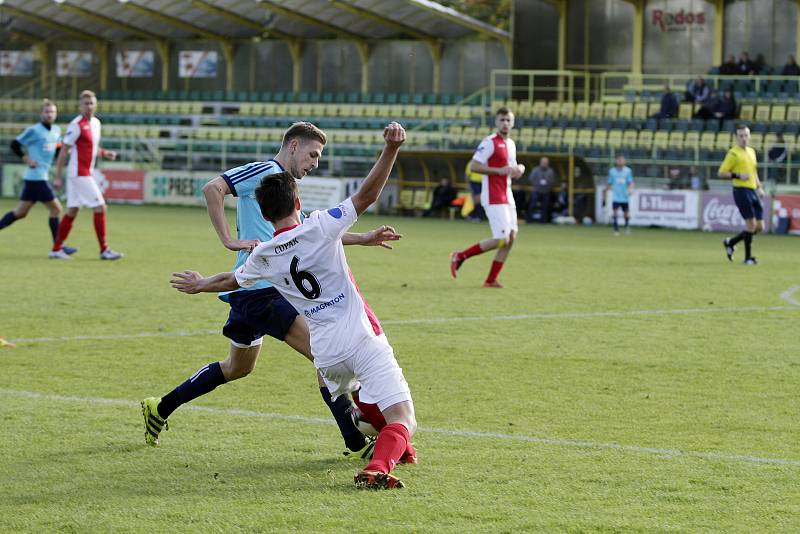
(393, 442)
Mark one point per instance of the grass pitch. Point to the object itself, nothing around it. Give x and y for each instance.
(637, 383)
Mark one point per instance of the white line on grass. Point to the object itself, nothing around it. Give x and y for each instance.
(787, 295)
(556, 442)
(439, 320)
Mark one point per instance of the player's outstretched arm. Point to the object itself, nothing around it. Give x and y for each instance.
(193, 282)
(376, 238)
(214, 192)
(393, 135)
(62, 155)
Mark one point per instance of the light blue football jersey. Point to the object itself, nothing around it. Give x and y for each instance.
(250, 224)
(619, 180)
(41, 144)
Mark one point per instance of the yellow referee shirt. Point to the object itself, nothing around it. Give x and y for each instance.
(741, 161)
(473, 176)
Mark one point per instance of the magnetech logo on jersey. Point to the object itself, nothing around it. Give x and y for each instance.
(319, 307)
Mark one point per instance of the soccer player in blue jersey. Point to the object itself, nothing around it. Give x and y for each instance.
(40, 141)
(260, 310)
(620, 182)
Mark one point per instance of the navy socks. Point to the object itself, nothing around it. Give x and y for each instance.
(203, 381)
(340, 408)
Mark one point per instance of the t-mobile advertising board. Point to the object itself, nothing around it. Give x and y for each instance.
(653, 207)
(720, 214)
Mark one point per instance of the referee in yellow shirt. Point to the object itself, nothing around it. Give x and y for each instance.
(740, 166)
(475, 181)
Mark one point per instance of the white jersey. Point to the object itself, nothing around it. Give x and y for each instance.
(307, 265)
(84, 136)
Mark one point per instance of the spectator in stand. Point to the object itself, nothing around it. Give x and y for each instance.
(729, 68)
(542, 179)
(669, 105)
(746, 65)
(697, 90)
(761, 64)
(443, 197)
(777, 154)
(727, 106)
(675, 178)
(695, 181)
(791, 68)
(709, 107)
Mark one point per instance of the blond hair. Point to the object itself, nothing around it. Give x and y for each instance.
(47, 102)
(87, 94)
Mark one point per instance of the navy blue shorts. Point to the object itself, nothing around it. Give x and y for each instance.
(623, 205)
(475, 187)
(258, 313)
(37, 191)
(748, 203)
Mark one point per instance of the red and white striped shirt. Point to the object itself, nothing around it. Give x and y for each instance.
(84, 136)
(494, 151)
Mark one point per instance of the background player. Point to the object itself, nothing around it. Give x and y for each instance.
(41, 142)
(347, 341)
(259, 310)
(740, 165)
(496, 159)
(82, 141)
(620, 182)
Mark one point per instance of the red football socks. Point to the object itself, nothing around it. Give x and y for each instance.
(64, 228)
(100, 229)
(474, 250)
(392, 443)
(371, 414)
(494, 271)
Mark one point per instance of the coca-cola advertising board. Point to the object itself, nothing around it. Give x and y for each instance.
(720, 214)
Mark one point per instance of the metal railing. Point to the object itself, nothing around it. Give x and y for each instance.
(532, 85)
(617, 85)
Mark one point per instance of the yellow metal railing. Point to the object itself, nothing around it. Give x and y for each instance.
(615, 85)
(562, 85)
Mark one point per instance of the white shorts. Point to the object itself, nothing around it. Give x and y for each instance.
(374, 365)
(83, 191)
(502, 219)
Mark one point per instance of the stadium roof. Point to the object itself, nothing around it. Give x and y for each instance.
(360, 20)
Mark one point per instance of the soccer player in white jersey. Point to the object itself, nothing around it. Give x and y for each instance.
(306, 263)
(41, 142)
(496, 159)
(260, 310)
(82, 143)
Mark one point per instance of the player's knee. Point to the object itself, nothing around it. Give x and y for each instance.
(234, 370)
(21, 213)
(759, 226)
(501, 244)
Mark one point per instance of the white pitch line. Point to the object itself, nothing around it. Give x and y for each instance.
(556, 442)
(439, 320)
(788, 295)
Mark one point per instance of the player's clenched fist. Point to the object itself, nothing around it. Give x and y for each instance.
(394, 134)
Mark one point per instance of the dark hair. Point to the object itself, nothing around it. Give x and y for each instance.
(502, 111)
(276, 195)
(741, 126)
(305, 131)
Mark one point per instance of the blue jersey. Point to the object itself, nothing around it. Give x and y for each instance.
(250, 224)
(41, 145)
(619, 180)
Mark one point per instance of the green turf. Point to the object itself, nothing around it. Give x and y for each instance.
(561, 420)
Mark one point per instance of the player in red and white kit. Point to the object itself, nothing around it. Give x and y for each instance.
(496, 159)
(82, 142)
(305, 261)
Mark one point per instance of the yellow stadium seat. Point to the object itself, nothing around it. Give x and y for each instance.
(406, 199)
(640, 110)
(570, 136)
(615, 138)
(661, 140)
(762, 113)
(149, 107)
(422, 199)
(584, 137)
(437, 112)
(610, 110)
(685, 111)
(747, 112)
(708, 140)
(567, 110)
(676, 140)
(778, 113)
(525, 136)
(645, 139)
(757, 141)
(555, 136)
(581, 110)
(692, 140)
(540, 136)
(464, 112)
(600, 138)
(723, 141)
(553, 109)
(626, 110)
(539, 109)
(653, 108)
(596, 110)
(793, 114)
(630, 138)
